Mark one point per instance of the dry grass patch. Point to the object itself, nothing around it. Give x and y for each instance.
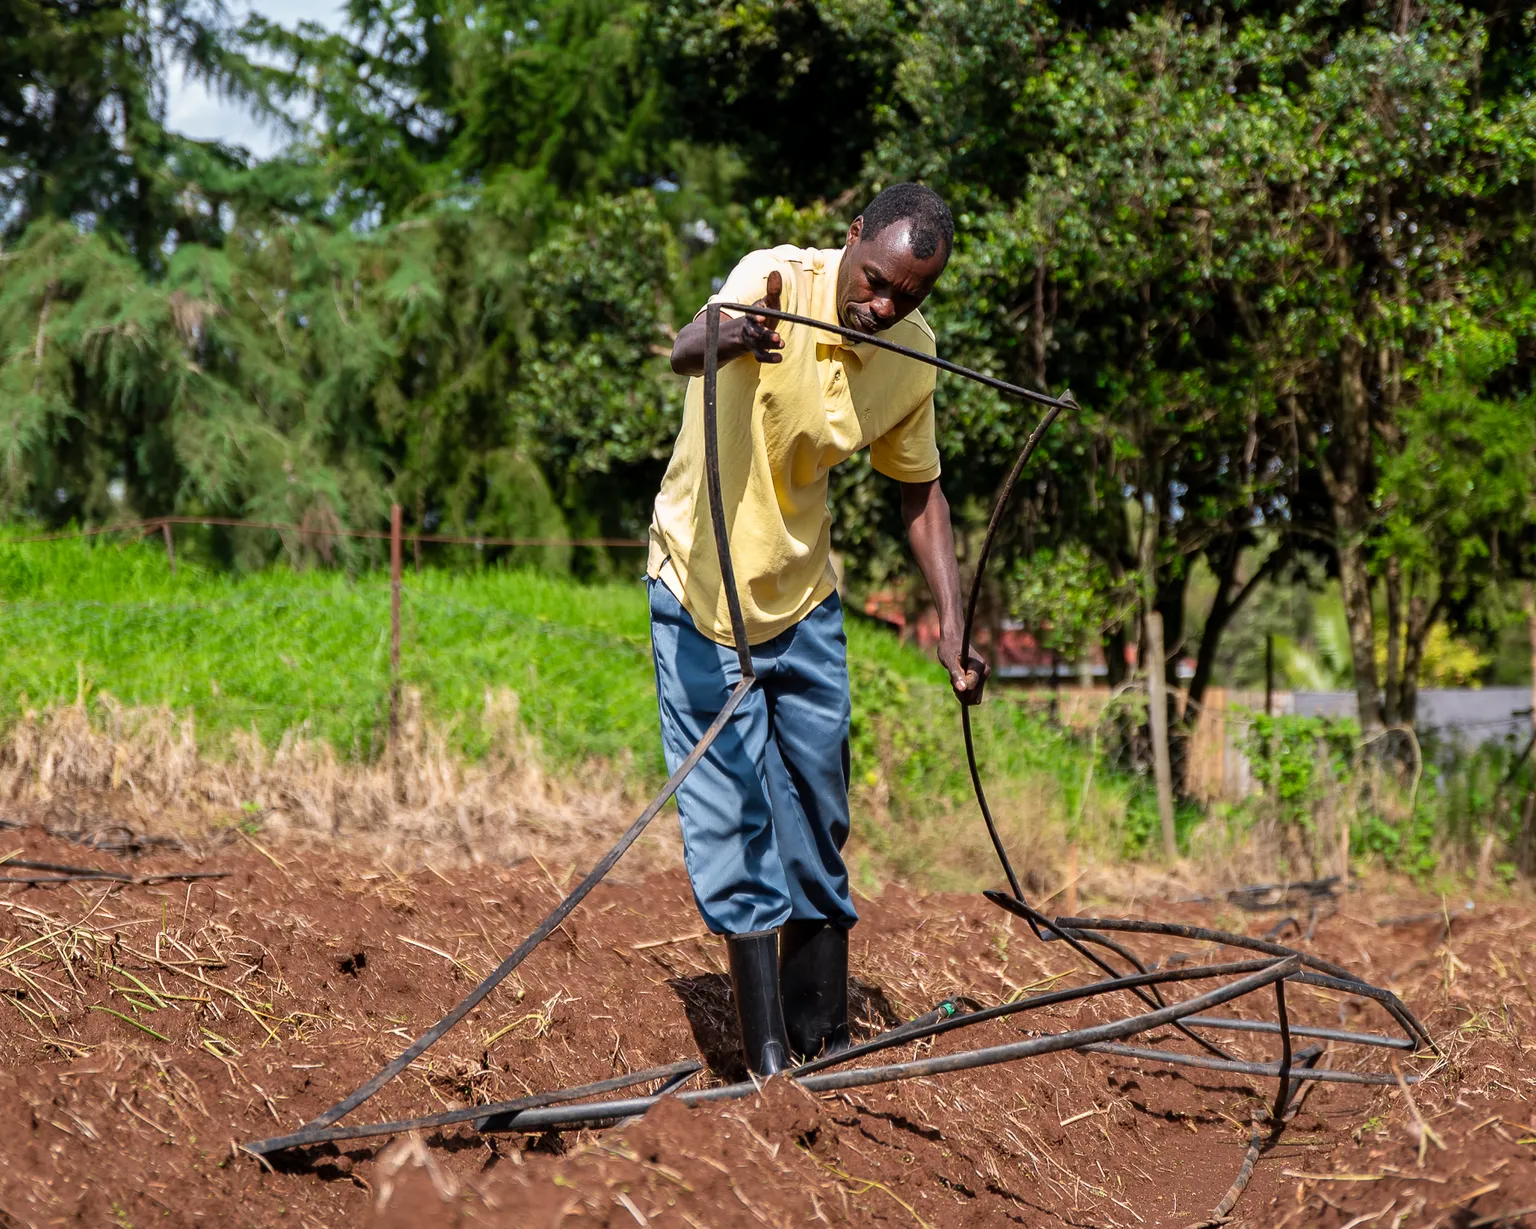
(421, 799)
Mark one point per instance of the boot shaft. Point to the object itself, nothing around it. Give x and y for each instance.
(813, 985)
(754, 961)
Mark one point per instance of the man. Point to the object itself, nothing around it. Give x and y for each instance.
(765, 812)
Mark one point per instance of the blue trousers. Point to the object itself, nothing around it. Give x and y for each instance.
(765, 812)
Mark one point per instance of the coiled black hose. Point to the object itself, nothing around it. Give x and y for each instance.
(542, 1113)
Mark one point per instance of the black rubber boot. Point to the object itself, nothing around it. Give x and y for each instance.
(754, 960)
(813, 983)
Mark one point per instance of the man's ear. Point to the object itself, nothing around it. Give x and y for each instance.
(855, 230)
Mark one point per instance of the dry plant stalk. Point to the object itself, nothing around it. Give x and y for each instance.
(423, 800)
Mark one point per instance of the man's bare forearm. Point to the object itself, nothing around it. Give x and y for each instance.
(688, 349)
(926, 513)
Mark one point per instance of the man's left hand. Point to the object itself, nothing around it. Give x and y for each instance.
(967, 679)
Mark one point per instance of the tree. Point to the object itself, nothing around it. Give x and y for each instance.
(305, 358)
(82, 124)
(1241, 241)
(1382, 228)
(1457, 500)
(1102, 273)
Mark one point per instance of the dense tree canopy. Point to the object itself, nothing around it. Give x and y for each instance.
(1282, 253)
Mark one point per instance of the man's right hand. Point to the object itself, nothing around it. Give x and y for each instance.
(739, 335)
(755, 335)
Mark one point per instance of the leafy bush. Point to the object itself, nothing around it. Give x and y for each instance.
(1306, 766)
(1453, 811)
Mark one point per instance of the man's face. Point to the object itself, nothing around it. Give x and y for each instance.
(880, 281)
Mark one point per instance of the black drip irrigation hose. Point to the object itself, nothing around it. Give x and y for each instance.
(517, 1116)
(485, 1117)
(554, 1111)
(1272, 1070)
(1330, 976)
(564, 1117)
(915, 1032)
(65, 873)
(1344, 1036)
(108, 877)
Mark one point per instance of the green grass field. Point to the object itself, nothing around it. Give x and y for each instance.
(279, 650)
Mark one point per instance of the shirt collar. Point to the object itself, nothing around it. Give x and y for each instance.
(824, 264)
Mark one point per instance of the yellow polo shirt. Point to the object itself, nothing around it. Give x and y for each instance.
(783, 426)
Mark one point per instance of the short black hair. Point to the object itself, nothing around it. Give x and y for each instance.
(932, 223)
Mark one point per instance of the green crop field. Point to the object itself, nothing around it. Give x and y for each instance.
(276, 649)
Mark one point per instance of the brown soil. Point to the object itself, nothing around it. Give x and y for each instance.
(274, 991)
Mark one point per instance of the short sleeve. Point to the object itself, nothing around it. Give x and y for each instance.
(748, 281)
(909, 451)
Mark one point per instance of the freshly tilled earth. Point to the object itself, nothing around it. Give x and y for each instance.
(149, 1029)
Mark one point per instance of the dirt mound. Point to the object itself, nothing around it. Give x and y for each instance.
(153, 1026)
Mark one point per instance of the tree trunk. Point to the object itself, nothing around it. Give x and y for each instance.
(1352, 515)
(1421, 617)
(1344, 466)
(1355, 582)
(1170, 608)
(1040, 339)
(1113, 643)
(1230, 598)
(1224, 564)
(1530, 615)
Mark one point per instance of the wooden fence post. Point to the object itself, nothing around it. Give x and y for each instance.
(1157, 679)
(1157, 700)
(1530, 616)
(170, 545)
(1269, 675)
(394, 622)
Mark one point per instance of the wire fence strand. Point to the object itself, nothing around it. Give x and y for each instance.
(153, 524)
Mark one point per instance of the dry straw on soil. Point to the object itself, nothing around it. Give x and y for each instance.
(424, 801)
(421, 799)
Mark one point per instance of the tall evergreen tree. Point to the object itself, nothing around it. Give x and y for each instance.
(83, 95)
